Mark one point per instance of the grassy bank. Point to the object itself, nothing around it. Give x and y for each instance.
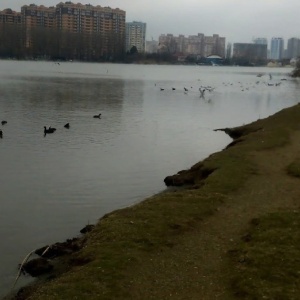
(199, 240)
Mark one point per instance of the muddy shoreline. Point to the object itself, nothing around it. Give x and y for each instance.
(48, 262)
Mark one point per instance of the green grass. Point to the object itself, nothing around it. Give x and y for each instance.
(267, 263)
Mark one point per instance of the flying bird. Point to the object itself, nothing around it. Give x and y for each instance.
(202, 92)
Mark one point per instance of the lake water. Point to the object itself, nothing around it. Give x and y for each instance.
(53, 185)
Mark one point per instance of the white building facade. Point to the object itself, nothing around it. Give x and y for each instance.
(136, 36)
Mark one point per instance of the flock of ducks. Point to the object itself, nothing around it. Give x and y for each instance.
(202, 90)
(49, 129)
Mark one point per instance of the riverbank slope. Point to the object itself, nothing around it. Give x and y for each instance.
(230, 230)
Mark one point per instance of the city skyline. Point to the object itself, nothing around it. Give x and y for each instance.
(238, 21)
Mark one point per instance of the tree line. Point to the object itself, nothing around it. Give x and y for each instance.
(18, 42)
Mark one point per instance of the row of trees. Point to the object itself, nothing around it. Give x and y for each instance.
(54, 44)
(296, 71)
(38, 42)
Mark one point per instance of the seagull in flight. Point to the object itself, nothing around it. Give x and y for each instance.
(202, 92)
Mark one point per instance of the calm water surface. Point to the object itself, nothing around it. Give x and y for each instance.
(54, 185)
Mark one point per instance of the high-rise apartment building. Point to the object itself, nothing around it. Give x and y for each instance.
(293, 48)
(136, 36)
(38, 16)
(11, 33)
(33, 17)
(228, 51)
(277, 44)
(8, 16)
(200, 44)
(91, 30)
(249, 54)
(193, 44)
(88, 18)
(214, 45)
(102, 29)
(260, 41)
(169, 43)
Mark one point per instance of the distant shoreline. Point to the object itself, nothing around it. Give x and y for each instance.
(147, 62)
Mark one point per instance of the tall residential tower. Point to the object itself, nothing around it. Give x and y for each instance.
(199, 44)
(293, 48)
(67, 30)
(136, 36)
(260, 41)
(277, 44)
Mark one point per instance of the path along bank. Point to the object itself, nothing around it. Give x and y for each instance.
(229, 230)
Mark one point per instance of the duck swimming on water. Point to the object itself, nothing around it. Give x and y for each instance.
(67, 125)
(52, 129)
(3, 122)
(97, 116)
(49, 130)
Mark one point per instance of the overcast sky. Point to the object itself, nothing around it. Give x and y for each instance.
(236, 20)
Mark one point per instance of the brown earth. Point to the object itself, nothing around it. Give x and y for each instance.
(198, 267)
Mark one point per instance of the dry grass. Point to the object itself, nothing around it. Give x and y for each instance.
(268, 260)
